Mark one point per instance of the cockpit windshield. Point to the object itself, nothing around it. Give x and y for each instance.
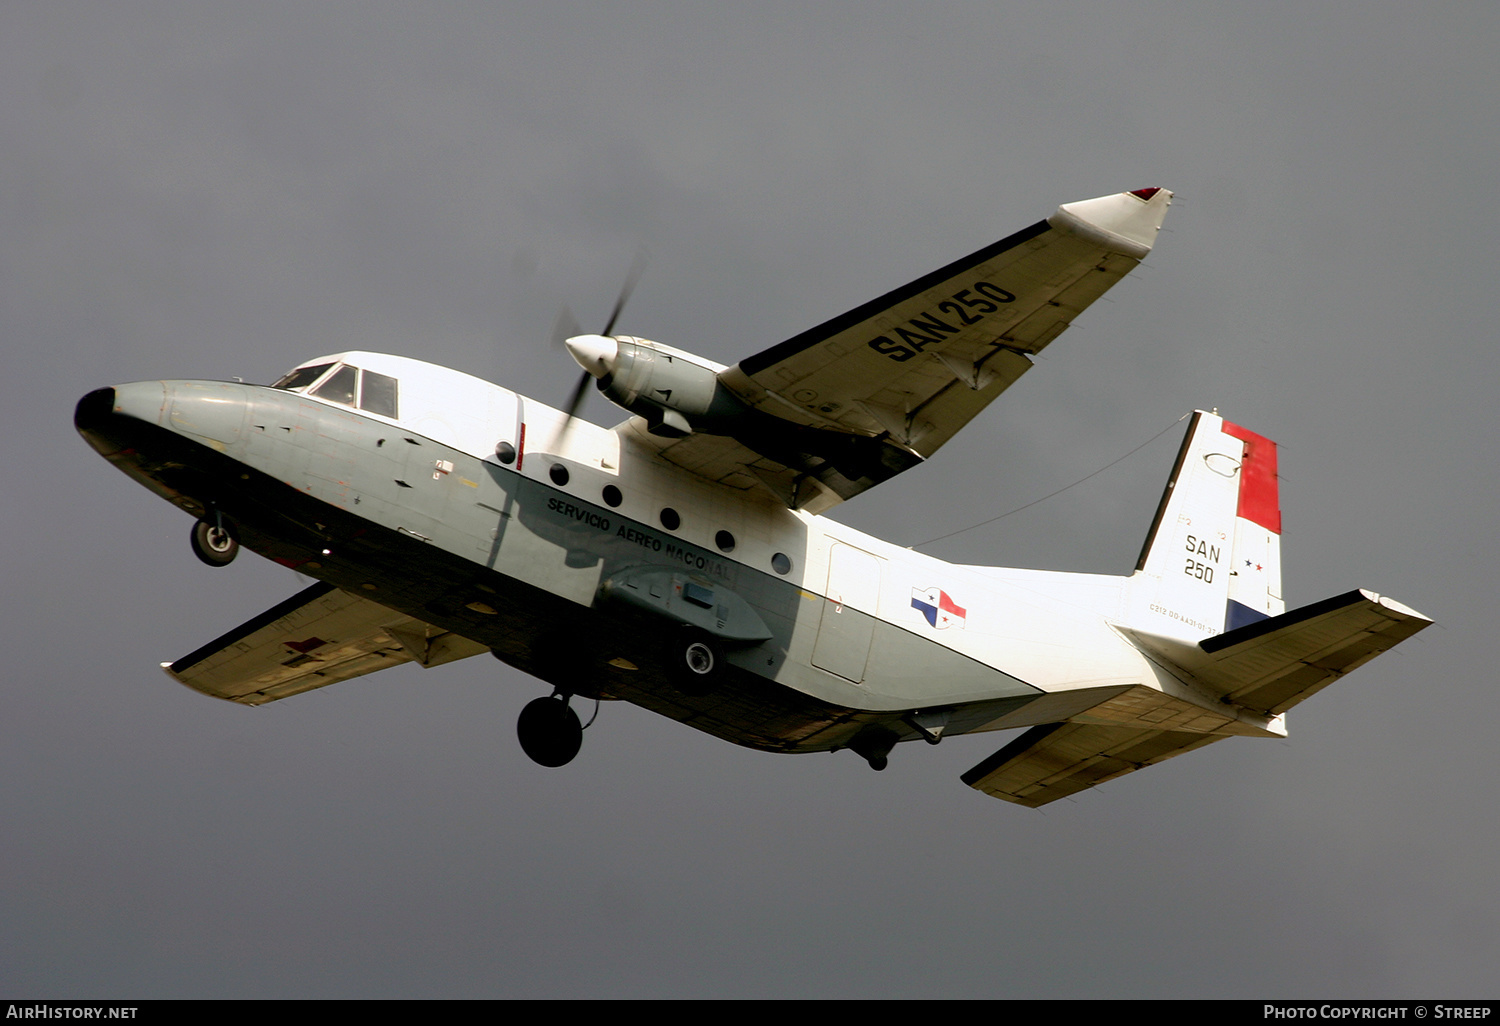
(301, 377)
(348, 386)
(341, 386)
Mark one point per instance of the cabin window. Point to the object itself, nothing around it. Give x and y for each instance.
(377, 394)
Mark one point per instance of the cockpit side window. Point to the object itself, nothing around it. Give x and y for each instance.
(378, 394)
(341, 386)
(301, 377)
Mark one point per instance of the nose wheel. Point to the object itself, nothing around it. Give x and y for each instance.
(214, 541)
(550, 731)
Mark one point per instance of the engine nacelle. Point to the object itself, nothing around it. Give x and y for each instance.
(676, 392)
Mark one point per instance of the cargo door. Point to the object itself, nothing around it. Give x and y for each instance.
(848, 622)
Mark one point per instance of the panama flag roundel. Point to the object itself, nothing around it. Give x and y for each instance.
(940, 610)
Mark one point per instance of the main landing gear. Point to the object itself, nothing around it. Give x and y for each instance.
(550, 731)
(874, 744)
(215, 542)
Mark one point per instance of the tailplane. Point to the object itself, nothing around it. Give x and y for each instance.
(1212, 561)
(1205, 608)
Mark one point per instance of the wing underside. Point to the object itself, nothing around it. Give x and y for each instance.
(319, 636)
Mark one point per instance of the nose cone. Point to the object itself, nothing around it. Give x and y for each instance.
(210, 413)
(103, 417)
(595, 353)
(94, 409)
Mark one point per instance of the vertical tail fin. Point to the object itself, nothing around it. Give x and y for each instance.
(1212, 561)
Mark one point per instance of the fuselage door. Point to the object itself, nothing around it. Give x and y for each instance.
(849, 612)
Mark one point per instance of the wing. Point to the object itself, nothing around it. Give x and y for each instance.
(317, 637)
(854, 401)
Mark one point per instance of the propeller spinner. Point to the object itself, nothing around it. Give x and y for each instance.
(596, 354)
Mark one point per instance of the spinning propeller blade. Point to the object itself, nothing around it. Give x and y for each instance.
(566, 326)
(637, 265)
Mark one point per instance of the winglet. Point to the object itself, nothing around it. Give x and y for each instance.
(1126, 222)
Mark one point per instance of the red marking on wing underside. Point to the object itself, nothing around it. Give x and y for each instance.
(305, 646)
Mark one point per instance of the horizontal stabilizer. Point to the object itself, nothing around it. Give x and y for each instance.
(1272, 664)
(1056, 760)
(317, 637)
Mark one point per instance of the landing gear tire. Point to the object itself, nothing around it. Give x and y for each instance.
(697, 663)
(215, 543)
(874, 744)
(549, 731)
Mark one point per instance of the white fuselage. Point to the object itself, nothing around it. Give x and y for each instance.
(1051, 634)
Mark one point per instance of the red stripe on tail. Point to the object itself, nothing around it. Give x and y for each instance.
(1260, 501)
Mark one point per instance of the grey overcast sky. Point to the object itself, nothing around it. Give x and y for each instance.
(218, 190)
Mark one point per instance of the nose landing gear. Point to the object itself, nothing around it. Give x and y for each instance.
(550, 731)
(215, 541)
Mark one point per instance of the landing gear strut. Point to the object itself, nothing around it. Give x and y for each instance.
(549, 730)
(214, 541)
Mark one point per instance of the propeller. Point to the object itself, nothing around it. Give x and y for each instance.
(566, 327)
(637, 265)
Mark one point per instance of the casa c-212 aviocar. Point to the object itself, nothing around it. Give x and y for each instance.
(679, 560)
